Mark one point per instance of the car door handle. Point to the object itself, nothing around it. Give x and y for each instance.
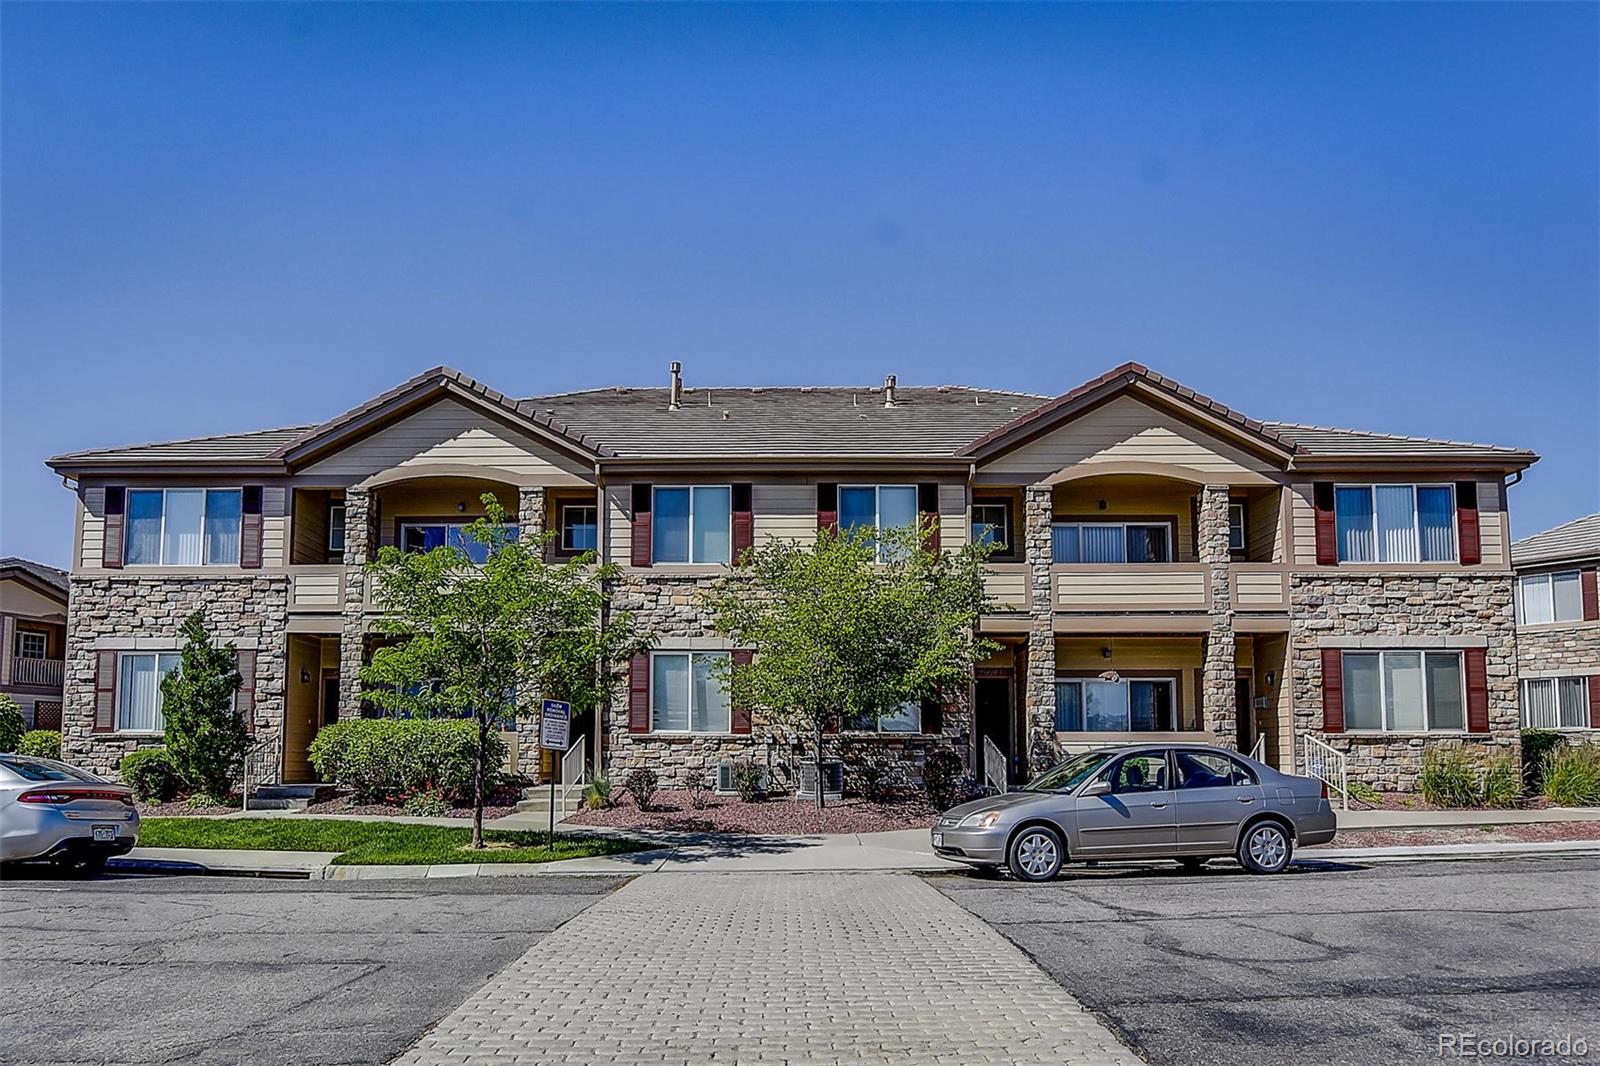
(1157, 806)
(1247, 799)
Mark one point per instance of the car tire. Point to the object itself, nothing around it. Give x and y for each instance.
(1036, 854)
(1192, 863)
(1265, 848)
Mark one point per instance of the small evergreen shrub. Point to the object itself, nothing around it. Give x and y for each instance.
(1537, 744)
(151, 774)
(749, 780)
(383, 760)
(699, 787)
(641, 785)
(1449, 778)
(874, 779)
(941, 778)
(1572, 775)
(1502, 781)
(40, 743)
(206, 736)
(1365, 793)
(597, 793)
(429, 803)
(12, 725)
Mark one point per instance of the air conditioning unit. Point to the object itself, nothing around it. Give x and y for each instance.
(832, 780)
(1263, 703)
(726, 784)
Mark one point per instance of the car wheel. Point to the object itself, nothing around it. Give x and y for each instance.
(1266, 848)
(1036, 854)
(1191, 863)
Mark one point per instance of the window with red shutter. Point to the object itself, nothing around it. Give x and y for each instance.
(1471, 547)
(744, 520)
(639, 693)
(115, 518)
(740, 723)
(827, 506)
(1326, 531)
(928, 513)
(641, 532)
(1332, 691)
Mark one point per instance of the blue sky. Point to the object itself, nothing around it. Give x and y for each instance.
(221, 217)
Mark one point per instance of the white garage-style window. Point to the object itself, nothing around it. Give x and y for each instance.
(183, 527)
(1545, 598)
(1395, 523)
(686, 696)
(1555, 703)
(1404, 692)
(692, 524)
(139, 677)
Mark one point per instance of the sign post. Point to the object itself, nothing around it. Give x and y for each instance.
(555, 725)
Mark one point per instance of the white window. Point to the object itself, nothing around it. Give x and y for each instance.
(580, 528)
(426, 536)
(139, 690)
(1395, 523)
(1111, 542)
(1404, 692)
(336, 527)
(877, 507)
(906, 718)
(991, 524)
(32, 644)
(692, 524)
(1555, 703)
(685, 694)
(183, 527)
(1236, 541)
(1545, 598)
(1123, 706)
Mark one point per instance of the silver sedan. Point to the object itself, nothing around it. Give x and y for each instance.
(49, 810)
(1188, 802)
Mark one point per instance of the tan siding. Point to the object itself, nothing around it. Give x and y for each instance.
(1129, 497)
(1007, 588)
(1263, 528)
(785, 510)
(1491, 528)
(954, 529)
(450, 432)
(21, 600)
(619, 523)
(1128, 429)
(1303, 515)
(310, 527)
(301, 717)
(1130, 590)
(1259, 590)
(92, 544)
(315, 592)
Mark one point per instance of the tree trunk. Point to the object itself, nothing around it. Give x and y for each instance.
(477, 783)
(820, 802)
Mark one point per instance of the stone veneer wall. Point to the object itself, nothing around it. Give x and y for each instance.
(1564, 649)
(1219, 711)
(1417, 607)
(124, 606)
(669, 608)
(1040, 686)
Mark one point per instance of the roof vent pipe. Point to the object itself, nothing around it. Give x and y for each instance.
(888, 390)
(676, 400)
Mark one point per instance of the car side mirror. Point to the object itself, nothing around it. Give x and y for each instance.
(1097, 788)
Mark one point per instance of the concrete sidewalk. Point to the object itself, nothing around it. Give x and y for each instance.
(1351, 820)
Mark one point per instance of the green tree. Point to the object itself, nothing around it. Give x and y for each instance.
(206, 735)
(851, 627)
(479, 640)
(12, 724)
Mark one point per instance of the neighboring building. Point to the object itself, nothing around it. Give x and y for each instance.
(1558, 626)
(1168, 567)
(33, 638)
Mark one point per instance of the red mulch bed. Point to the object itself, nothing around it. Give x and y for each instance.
(671, 809)
(1411, 801)
(1530, 832)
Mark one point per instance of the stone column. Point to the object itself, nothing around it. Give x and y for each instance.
(358, 537)
(1040, 698)
(530, 511)
(1217, 682)
(530, 524)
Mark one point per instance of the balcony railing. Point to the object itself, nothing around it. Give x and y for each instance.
(318, 589)
(1006, 586)
(46, 673)
(1259, 586)
(1131, 586)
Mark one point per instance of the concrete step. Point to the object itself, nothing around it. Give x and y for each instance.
(287, 797)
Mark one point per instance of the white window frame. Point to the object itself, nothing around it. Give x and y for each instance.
(594, 511)
(1172, 688)
(25, 637)
(1548, 579)
(122, 665)
(1372, 488)
(336, 507)
(876, 728)
(205, 500)
(1244, 529)
(1164, 526)
(1555, 686)
(877, 506)
(1003, 542)
(691, 561)
(1427, 691)
(691, 731)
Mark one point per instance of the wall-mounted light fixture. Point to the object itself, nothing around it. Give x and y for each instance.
(1103, 505)
(1271, 678)
(305, 677)
(1105, 653)
(461, 507)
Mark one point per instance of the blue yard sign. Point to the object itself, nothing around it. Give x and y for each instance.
(555, 724)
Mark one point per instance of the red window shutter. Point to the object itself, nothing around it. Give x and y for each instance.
(250, 528)
(105, 692)
(1591, 595)
(1467, 523)
(1475, 660)
(827, 506)
(1327, 534)
(639, 693)
(1594, 701)
(1332, 690)
(740, 722)
(744, 523)
(245, 701)
(928, 513)
(116, 518)
(932, 716)
(641, 532)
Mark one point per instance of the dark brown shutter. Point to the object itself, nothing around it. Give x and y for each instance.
(1467, 523)
(250, 528)
(928, 514)
(245, 701)
(1332, 690)
(639, 693)
(932, 716)
(1591, 595)
(105, 692)
(116, 518)
(827, 506)
(744, 523)
(641, 535)
(1327, 535)
(740, 722)
(1594, 701)
(1477, 690)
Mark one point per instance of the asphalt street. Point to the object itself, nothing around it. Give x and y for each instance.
(208, 970)
(1323, 965)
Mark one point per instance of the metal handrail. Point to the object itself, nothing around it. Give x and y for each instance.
(45, 672)
(1327, 764)
(1259, 751)
(574, 768)
(994, 766)
(265, 752)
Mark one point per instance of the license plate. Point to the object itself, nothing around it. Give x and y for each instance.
(938, 840)
(104, 834)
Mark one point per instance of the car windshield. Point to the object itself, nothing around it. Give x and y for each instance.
(1070, 774)
(42, 770)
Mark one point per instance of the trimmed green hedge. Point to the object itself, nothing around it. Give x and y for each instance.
(40, 743)
(387, 760)
(152, 775)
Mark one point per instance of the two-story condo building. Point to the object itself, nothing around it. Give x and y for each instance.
(1166, 566)
(1558, 626)
(33, 638)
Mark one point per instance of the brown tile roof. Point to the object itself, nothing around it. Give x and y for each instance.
(1574, 541)
(42, 574)
(1326, 441)
(256, 445)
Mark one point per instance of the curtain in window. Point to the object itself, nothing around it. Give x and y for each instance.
(1069, 707)
(181, 536)
(1397, 531)
(669, 528)
(1534, 598)
(1363, 693)
(1103, 544)
(713, 529)
(858, 509)
(1144, 705)
(223, 511)
(669, 692)
(1567, 596)
(1402, 680)
(1573, 693)
(1352, 512)
(1436, 517)
(143, 537)
(1064, 544)
(136, 693)
(1446, 704)
(711, 707)
(1539, 704)
(1147, 544)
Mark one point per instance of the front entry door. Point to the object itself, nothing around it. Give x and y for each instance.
(993, 704)
(1244, 715)
(1136, 817)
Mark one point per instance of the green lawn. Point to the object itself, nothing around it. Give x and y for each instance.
(371, 843)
